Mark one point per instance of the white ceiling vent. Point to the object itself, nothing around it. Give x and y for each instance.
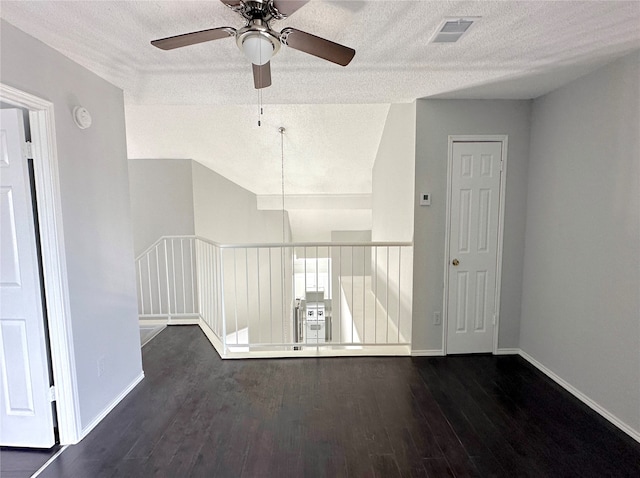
(451, 29)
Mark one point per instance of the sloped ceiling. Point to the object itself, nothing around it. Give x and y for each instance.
(199, 102)
(328, 149)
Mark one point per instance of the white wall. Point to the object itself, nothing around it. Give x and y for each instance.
(393, 179)
(435, 120)
(394, 176)
(96, 215)
(581, 291)
(161, 200)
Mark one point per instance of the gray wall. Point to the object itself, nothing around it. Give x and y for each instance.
(182, 197)
(161, 200)
(581, 293)
(96, 215)
(227, 213)
(435, 120)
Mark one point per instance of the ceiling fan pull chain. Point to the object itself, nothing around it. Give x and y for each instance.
(260, 109)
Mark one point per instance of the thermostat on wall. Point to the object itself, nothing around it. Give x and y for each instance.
(425, 199)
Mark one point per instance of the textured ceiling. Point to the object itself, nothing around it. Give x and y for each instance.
(394, 61)
(199, 102)
(328, 149)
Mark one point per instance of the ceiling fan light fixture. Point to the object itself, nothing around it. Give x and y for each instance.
(257, 48)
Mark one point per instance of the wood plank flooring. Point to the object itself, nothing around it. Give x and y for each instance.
(195, 415)
(23, 462)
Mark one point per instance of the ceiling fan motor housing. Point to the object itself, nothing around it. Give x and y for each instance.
(257, 9)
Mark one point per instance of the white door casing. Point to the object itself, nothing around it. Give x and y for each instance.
(25, 406)
(46, 173)
(471, 295)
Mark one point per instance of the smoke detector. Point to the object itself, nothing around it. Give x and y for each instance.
(452, 28)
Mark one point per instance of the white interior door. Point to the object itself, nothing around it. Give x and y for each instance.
(473, 246)
(26, 414)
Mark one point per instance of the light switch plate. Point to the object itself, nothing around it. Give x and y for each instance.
(425, 199)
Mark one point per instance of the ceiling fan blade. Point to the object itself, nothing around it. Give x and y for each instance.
(262, 75)
(316, 46)
(193, 38)
(286, 8)
(232, 3)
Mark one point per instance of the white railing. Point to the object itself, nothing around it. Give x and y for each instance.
(254, 299)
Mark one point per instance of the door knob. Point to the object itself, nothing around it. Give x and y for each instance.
(455, 262)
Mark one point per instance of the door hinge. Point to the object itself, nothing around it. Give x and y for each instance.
(495, 319)
(52, 394)
(28, 150)
(501, 164)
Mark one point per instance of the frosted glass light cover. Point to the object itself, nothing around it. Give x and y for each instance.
(257, 49)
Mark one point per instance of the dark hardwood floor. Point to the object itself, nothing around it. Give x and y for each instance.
(196, 415)
(23, 462)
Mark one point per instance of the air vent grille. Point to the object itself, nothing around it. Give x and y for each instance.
(452, 29)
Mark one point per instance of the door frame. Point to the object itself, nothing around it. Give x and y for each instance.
(496, 138)
(49, 211)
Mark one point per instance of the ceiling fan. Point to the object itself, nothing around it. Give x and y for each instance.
(259, 42)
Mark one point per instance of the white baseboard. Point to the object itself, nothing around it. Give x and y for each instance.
(49, 461)
(152, 321)
(507, 352)
(195, 320)
(427, 353)
(635, 434)
(86, 430)
(213, 338)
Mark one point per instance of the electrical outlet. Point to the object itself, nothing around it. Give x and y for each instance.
(437, 318)
(100, 365)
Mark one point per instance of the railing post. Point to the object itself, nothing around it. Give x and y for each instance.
(222, 301)
(317, 288)
(340, 293)
(399, 279)
(194, 280)
(158, 276)
(246, 285)
(259, 305)
(353, 302)
(235, 293)
(375, 296)
(149, 280)
(184, 282)
(166, 267)
(386, 299)
(141, 291)
(173, 269)
(364, 296)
